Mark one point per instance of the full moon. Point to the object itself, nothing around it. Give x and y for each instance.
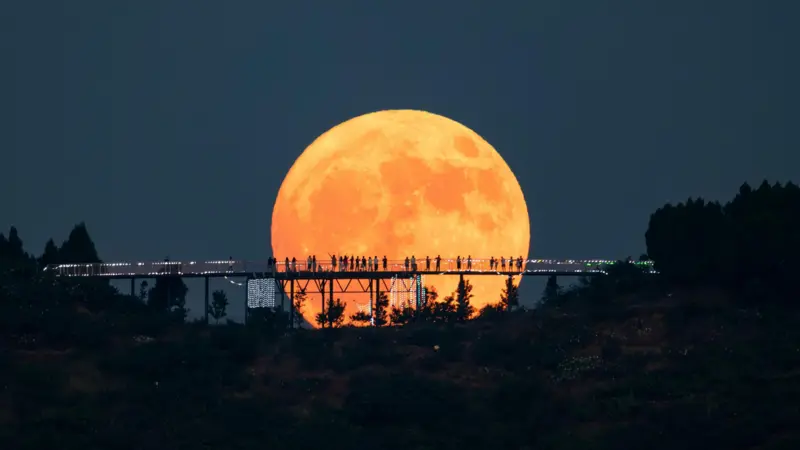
(401, 183)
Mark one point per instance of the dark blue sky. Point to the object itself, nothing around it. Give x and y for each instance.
(168, 125)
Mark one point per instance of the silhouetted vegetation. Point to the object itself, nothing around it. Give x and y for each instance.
(702, 355)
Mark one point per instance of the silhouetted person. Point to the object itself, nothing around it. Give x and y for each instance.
(519, 263)
(407, 263)
(294, 264)
(458, 262)
(469, 262)
(369, 262)
(363, 263)
(352, 263)
(385, 262)
(438, 263)
(375, 262)
(427, 263)
(286, 264)
(413, 263)
(314, 263)
(503, 263)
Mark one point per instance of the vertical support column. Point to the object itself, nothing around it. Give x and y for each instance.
(246, 308)
(205, 298)
(133, 287)
(377, 297)
(418, 294)
(461, 285)
(291, 300)
(283, 294)
(371, 303)
(322, 294)
(330, 289)
(510, 281)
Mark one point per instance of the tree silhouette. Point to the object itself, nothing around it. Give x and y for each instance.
(50, 254)
(219, 305)
(78, 248)
(509, 297)
(463, 295)
(551, 290)
(427, 308)
(333, 317)
(299, 304)
(360, 318)
(747, 245)
(381, 314)
(688, 242)
(401, 315)
(12, 252)
(167, 293)
(143, 291)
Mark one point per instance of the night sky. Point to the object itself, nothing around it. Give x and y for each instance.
(168, 125)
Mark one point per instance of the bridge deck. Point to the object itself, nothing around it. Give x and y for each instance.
(302, 270)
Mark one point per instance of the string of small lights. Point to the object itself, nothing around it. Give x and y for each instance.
(222, 267)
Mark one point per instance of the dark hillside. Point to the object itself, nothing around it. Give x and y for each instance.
(704, 355)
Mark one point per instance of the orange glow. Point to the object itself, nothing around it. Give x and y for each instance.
(401, 183)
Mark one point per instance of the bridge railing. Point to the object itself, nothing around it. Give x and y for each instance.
(223, 267)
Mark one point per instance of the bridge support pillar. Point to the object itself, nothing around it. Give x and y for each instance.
(418, 294)
(246, 306)
(205, 299)
(461, 285)
(133, 287)
(377, 298)
(330, 291)
(281, 288)
(322, 285)
(371, 302)
(291, 301)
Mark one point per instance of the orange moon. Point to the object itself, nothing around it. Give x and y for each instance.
(401, 183)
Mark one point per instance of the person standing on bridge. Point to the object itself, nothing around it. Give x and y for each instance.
(438, 263)
(308, 263)
(427, 263)
(369, 262)
(352, 263)
(286, 264)
(313, 263)
(458, 263)
(385, 263)
(375, 266)
(510, 263)
(363, 263)
(519, 263)
(407, 263)
(333, 262)
(294, 264)
(469, 262)
(503, 263)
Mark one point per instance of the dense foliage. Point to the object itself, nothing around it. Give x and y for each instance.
(702, 356)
